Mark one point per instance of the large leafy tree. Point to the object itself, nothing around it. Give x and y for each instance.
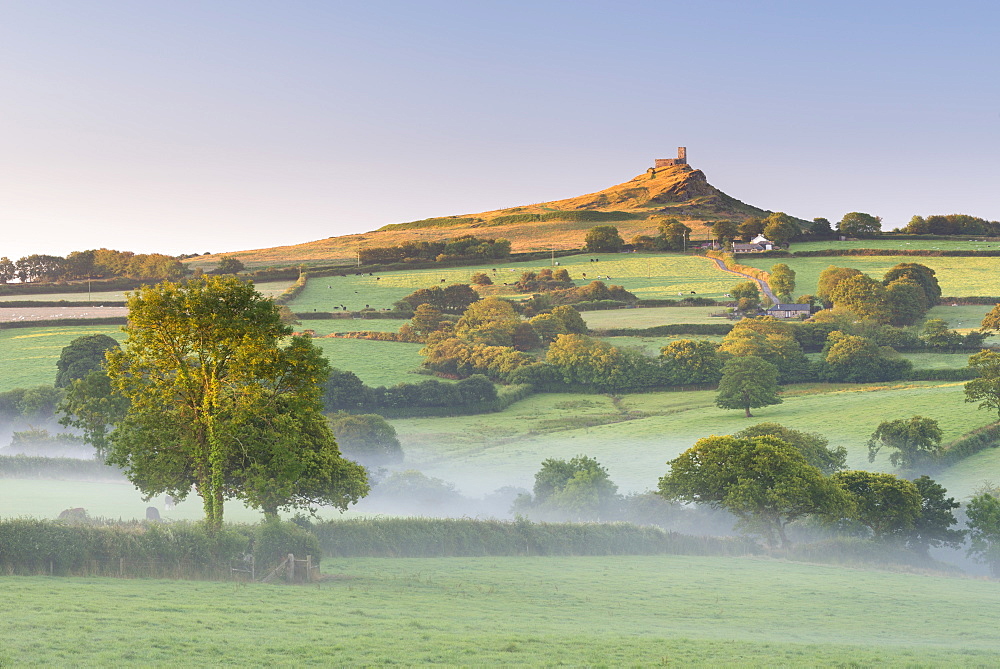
(82, 356)
(913, 441)
(922, 275)
(764, 481)
(983, 512)
(830, 278)
(603, 238)
(991, 321)
(771, 339)
(864, 296)
(747, 296)
(367, 438)
(887, 505)
(782, 282)
(725, 232)
(986, 388)
(687, 361)
(815, 447)
(222, 400)
(748, 382)
(578, 488)
(858, 224)
(781, 228)
(933, 527)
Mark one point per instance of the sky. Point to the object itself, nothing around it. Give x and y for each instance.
(214, 126)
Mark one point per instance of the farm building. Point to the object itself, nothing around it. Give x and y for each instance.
(789, 310)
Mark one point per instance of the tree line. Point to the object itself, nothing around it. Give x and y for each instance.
(91, 264)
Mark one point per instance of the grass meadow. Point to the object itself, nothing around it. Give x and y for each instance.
(635, 435)
(651, 316)
(519, 611)
(377, 363)
(647, 275)
(968, 244)
(29, 355)
(958, 276)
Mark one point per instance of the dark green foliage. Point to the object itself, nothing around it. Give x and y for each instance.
(689, 362)
(671, 329)
(603, 238)
(578, 489)
(35, 403)
(344, 391)
(983, 512)
(229, 265)
(82, 356)
(453, 299)
(971, 443)
(65, 469)
(814, 447)
(932, 528)
(430, 537)
(914, 442)
(986, 388)
(821, 228)
(180, 550)
(543, 281)
(748, 382)
(888, 506)
(857, 224)
(466, 247)
(763, 481)
(852, 359)
(367, 438)
(922, 275)
(951, 224)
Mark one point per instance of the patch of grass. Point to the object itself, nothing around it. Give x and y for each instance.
(651, 345)
(966, 244)
(29, 355)
(377, 363)
(636, 611)
(925, 360)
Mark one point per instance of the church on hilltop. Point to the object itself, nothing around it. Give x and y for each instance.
(681, 159)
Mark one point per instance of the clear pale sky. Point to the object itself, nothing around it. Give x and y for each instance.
(190, 126)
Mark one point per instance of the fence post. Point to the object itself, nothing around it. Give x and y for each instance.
(309, 567)
(291, 568)
(121, 567)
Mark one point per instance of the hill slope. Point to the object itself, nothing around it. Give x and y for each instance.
(636, 207)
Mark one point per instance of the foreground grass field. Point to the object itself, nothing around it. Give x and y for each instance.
(632, 611)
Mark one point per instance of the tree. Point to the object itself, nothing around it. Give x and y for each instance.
(367, 438)
(932, 527)
(571, 319)
(7, 270)
(991, 321)
(426, 319)
(914, 441)
(763, 481)
(864, 296)
(984, 389)
(747, 296)
(983, 512)
(579, 488)
(747, 383)
(674, 235)
(781, 228)
(857, 224)
(772, 340)
(481, 279)
(92, 407)
(883, 503)
(751, 227)
(830, 278)
(814, 447)
(82, 356)
(922, 275)
(687, 361)
(782, 282)
(725, 232)
(853, 359)
(489, 321)
(218, 403)
(907, 302)
(603, 238)
(229, 265)
(821, 228)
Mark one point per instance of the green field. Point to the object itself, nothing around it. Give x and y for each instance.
(635, 436)
(965, 244)
(959, 277)
(29, 355)
(660, 276)
(539, 611)
(377, 363)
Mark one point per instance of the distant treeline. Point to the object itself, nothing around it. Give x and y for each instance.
(91, 264)
(460, 248)
(67, 469)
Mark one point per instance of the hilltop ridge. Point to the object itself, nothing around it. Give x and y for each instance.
(636, 206)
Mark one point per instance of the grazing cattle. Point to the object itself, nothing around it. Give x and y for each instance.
(168, 503)
(152, 513)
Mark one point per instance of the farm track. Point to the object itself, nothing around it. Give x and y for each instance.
(760, 282)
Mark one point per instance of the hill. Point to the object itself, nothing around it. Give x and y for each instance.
(636, 206)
